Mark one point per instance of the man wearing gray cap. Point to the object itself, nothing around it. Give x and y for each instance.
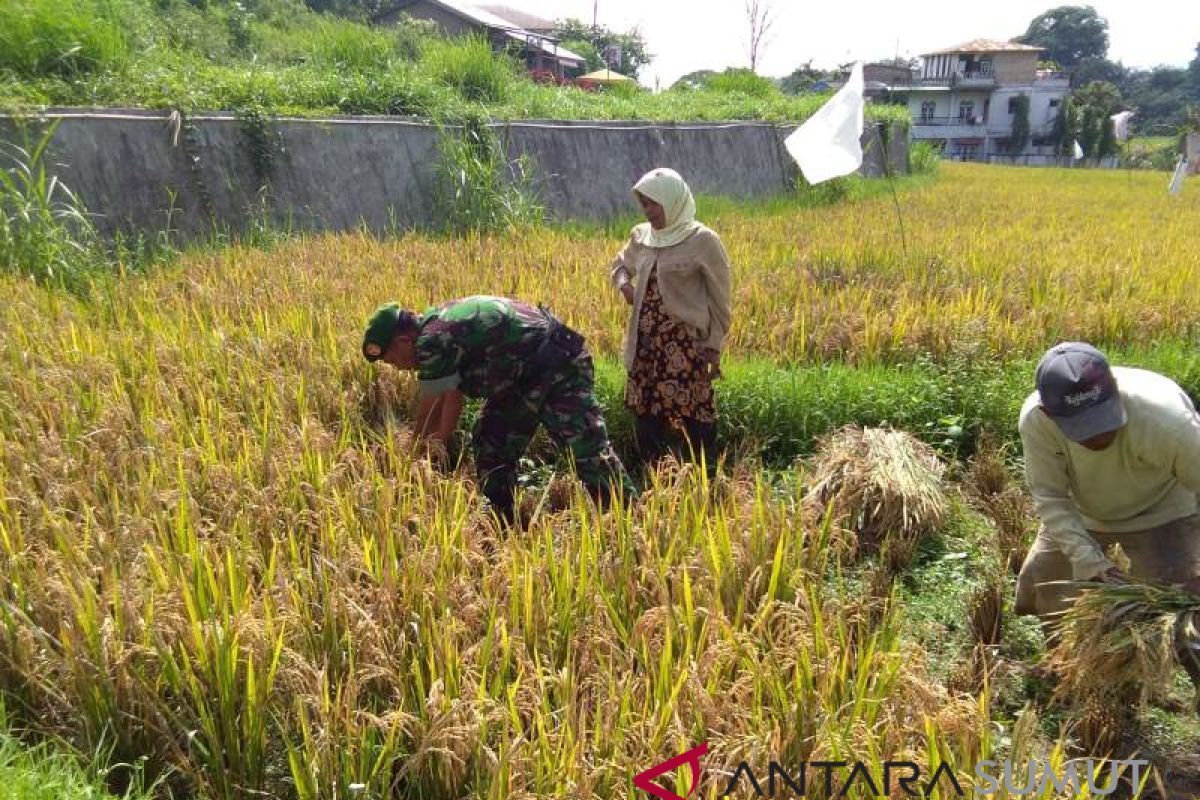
(1112, 455)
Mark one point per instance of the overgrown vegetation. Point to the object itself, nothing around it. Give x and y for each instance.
(47, 234)
(280, 57)
(50, 770)
(478, 190)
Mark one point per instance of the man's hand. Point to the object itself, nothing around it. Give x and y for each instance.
(627, 292)
(1112, 576)
(1192, 585)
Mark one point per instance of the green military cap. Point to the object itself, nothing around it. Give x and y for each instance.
(388, 321)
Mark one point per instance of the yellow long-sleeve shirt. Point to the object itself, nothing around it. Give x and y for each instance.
(1148, 476)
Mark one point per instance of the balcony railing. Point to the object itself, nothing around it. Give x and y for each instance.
(971, 119)
(968, 79)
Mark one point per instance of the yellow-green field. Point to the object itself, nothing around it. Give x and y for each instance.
(220, 555)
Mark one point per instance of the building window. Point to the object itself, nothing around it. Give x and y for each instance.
(928, 107)
(1054, 104)
(1012, 105)
(966, 111)
(966, 152)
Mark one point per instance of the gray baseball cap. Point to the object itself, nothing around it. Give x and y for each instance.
(1078, 391)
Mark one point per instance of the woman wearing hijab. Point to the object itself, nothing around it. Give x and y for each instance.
(675, 274)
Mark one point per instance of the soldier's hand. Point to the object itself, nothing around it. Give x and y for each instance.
(627, 292)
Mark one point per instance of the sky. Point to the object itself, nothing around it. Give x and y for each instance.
(687, 35)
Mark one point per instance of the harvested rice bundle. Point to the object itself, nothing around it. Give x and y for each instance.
(883, 484)
(1121, 643)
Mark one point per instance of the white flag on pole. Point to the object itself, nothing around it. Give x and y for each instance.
(1120, 122)
(1177, 179)
(828, 144)
(1077, 151)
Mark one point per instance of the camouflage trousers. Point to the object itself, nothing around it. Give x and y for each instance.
(564, 401)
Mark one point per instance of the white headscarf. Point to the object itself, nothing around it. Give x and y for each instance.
(666, 187)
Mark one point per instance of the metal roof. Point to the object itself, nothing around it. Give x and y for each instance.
(519, 18)
(986, 46)
(487, 19)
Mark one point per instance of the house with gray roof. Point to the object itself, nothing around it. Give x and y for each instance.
(539, 50)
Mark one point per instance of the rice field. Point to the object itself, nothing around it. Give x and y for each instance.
(224, 563)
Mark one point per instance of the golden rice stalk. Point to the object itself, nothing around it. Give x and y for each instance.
(990, 489)
(1120, 644)
(883, 484)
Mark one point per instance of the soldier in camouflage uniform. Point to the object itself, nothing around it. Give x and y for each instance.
(528, 368)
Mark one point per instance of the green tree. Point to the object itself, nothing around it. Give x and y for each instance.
(1066, 126)
(1093, 68)
(1020, 126)
(591, 56)
(629, 47)
(1096, 103)
(694, 80)
(1069, 34)
(802, 78)
(1194, 71)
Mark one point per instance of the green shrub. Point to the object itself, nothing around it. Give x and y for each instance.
(741, 80)
(478, 190)
(45, 231)
(64, 38)
(344, 45)
(923, 158)
(51, 771)
(471, 68)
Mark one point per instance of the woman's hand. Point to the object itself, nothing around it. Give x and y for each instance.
(627, 292)
(712, 357)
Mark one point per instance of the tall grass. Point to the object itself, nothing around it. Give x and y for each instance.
(62, 38)
(45, 231)
(280, 56)
(742, 81)
(51, 771)
(478, 190)
(471, 68)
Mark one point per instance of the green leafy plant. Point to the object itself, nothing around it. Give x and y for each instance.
(471, 68)
(477, 188)
(45, 231)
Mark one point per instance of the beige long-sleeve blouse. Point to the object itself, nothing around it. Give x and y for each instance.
(693, 278)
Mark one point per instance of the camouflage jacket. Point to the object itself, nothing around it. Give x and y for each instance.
(478, 345)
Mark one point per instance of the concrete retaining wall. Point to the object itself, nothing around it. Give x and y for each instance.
(143, 170)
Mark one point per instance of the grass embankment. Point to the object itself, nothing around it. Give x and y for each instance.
(278, 56)
(50, 771)
(221, 557)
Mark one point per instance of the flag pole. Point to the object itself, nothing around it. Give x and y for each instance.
(887, 171)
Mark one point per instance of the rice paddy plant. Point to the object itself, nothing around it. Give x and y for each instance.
(1121, 644)
(885, 485)
(221, 553)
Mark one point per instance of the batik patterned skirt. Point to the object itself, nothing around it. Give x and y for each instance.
(669, 377)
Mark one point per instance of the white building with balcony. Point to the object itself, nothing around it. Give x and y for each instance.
(965, 100)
